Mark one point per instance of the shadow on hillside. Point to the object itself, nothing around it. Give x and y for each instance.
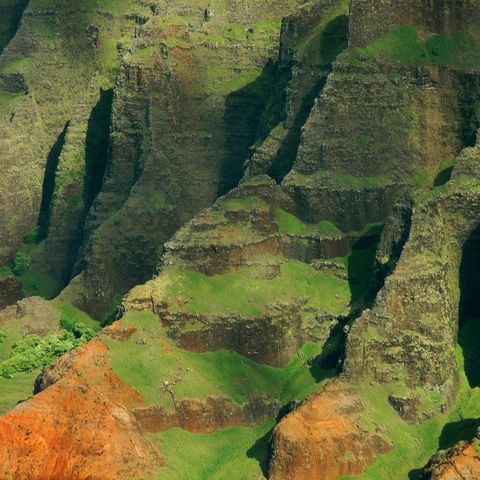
(455, 432)
(332, 41)
(469, 309)
(243, 110)
(452, 433)
(260, 451)
(10, 27)
(96, 146)
(360, 269)
(48, 187)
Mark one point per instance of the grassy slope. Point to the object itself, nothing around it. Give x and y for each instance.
(197, 293)
(198, 375)
(16, 390)
(405, 45)
(239, 453)
(233, 453)
(288, 223)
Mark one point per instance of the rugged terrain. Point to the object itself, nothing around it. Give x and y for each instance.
(239, 239)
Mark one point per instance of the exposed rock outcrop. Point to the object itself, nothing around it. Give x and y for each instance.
(10, 291)
(185, 113)
(323, 439)
(205, 416)
(461, 462)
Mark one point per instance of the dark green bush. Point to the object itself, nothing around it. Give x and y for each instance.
(32, 236)
(21, 263)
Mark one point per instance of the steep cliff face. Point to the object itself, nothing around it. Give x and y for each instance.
(246, 167)
(52, 73)
(428, 271)
(188, 99)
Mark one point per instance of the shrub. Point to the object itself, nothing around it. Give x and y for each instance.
(35, 352)
(32, 236)
(21, 263)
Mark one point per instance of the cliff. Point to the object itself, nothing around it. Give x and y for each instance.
(272, 208)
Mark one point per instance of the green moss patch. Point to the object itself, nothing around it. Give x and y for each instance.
(290, 224)
(406, 45)
(194, 292)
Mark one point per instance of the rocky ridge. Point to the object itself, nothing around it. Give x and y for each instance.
(282, 262)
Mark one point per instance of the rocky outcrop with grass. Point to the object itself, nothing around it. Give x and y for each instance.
(281, 198)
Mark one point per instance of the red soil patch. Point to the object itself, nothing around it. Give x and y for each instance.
(117, 332)
(460, 463)
(322, 439)
(78, 428)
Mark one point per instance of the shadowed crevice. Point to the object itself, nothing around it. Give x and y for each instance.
(97, 146)
(48, 188)
(332, 41)
(243, 111)
(10, 17)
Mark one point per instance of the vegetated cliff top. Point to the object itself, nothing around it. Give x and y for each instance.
(292, 200)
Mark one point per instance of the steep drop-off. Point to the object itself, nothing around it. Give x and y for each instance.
(279, 202)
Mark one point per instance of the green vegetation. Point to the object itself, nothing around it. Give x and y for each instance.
(221, 373)
(36, 284)
(5, 271)
(406, 45)
(197, 293)
(33, 283)
(16, 390)
(445, 172)
(359, 263)
(23, 355)
(34, 352)
(21, 264)
(361, 182)
(231, 453)
(72, 316)
(290, 224)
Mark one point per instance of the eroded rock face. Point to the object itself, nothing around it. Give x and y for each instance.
(461, 462)
(185, 113)
(10, 291)
(42, 91)
(205, 416)
(415, 318)
(87, 430)
(323, 439)
(240, 237)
